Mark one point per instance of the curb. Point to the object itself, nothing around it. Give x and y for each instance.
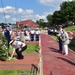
(40, 64)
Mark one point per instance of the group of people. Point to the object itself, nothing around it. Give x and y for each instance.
(52, 31)
(63, 39)
(18, 46)
(26, 35)
(18, 38)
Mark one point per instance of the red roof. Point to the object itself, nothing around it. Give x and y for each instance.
(28, 23)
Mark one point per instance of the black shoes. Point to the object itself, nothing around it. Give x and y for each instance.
(22, 57)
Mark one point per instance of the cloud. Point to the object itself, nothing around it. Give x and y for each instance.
(14, 20)
(21, 14)
(16, 14)
(13, 14)
(29, 11)
(20, 11)
(7, 10)
(67, 0)
(34, 17)
(1, 10)
(7, 16)
(46, 2)
(52, 3)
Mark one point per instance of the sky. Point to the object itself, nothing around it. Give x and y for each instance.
(18, 10)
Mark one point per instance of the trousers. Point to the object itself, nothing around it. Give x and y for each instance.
(19, 53)
(60, 44)
(65, 48)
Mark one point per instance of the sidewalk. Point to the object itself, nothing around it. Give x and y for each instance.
(55, 63)
(25, 64)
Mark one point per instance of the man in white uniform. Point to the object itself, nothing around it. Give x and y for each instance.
(19, 47)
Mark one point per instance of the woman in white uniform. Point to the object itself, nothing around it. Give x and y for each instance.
(65, 40)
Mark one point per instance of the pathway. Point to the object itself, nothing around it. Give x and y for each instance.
(55, 63)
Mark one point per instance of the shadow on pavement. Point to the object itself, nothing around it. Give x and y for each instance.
(53, 49)
(68, 61)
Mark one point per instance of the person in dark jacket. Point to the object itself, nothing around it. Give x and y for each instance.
(59, 38)
(7, 35)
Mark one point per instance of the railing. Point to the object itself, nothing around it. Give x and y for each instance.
(34, 70)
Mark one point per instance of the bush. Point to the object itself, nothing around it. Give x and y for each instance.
(3, 48)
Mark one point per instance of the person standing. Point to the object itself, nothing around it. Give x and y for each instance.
(37, 33)
(7, 35)
(32, 33)
(22, 36)
(59, 38)
(65, 41)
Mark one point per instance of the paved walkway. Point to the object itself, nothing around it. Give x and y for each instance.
(25, 64)
(29, 61)
(55, 63)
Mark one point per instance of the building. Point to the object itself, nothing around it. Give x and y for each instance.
(26, 23)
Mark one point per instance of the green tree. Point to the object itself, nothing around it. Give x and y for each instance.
(65, 14)
(57, 17)
(41, 23)
(68, 10)
(2, 25)
(50, 19)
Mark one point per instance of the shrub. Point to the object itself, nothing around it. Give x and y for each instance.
(3, 48)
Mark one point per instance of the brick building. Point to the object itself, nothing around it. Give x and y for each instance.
(27, 23)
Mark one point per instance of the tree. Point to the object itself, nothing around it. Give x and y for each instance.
(2, 25)
(68, 10)
(50, 19)
(41, 23)
(57, 17)
(65, 14)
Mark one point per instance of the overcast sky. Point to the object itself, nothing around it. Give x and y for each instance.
(17, 10)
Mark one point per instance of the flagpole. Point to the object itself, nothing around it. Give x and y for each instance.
(16, 11)
(3, 12)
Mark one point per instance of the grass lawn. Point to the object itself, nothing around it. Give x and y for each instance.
(14, 72)
(55, 37)
(31, 48)
(70, 28)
